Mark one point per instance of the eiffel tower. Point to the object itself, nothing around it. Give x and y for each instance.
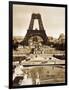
(30, 32)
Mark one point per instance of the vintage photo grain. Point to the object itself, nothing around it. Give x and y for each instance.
(38, 45)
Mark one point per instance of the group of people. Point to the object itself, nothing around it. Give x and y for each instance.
(22, 76)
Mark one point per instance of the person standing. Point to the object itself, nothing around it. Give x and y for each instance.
(37, 78)
(18, 70)
(27, 79)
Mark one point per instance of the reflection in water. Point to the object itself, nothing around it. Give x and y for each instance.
(42, 75)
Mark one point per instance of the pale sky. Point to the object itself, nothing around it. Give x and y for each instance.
(53, 19)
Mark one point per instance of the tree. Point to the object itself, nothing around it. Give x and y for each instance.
(15, 44)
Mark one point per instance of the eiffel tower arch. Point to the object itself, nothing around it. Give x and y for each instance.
(34, 33)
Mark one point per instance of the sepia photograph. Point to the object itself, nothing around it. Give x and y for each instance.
(39, 54)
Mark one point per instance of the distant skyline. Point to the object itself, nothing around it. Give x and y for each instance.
(53, 19)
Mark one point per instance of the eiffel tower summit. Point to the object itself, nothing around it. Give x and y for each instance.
(34, 34)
